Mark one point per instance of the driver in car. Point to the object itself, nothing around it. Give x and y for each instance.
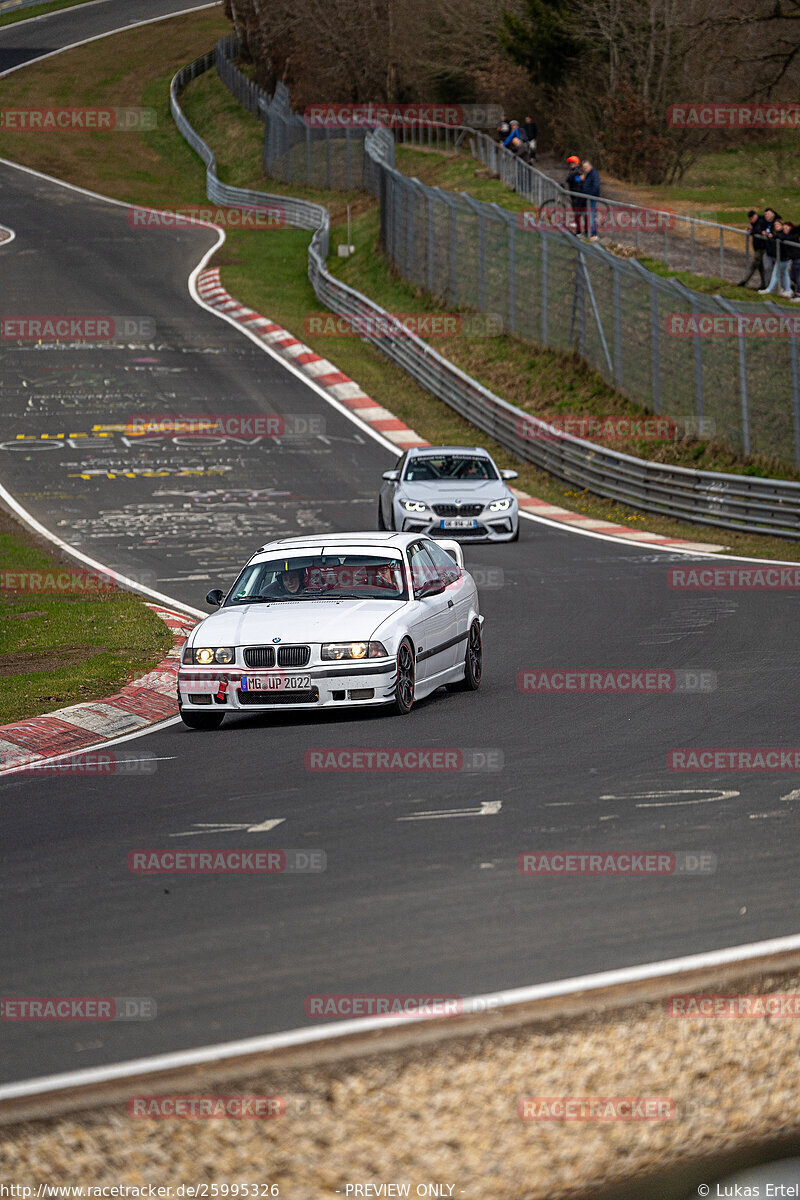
(288, 583)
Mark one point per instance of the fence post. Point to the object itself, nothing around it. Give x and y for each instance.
(308, 154)
(512, 276)
(655, 350)
(410, 190)
(545, 242)
(328, 183)
(431, 240)
(348, 157)
(795, 396)
(453, 252)
(383, 192)
(617, 301)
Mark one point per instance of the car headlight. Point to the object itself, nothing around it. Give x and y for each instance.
(500, 505)
(339, 650)
(205, 655)
(414, 506)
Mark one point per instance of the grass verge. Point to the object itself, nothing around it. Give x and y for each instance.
(60, 647)
(268, 270)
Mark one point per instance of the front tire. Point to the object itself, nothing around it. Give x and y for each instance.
(473, 661)
(381, 522)
(406, 680)
(196, 720)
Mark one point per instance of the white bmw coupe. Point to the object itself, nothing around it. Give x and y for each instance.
(335, 621)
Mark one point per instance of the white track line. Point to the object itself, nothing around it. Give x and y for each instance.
(96, 37)
(338, 1029)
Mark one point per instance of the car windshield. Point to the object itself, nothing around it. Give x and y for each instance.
(450, 467)
(320, 577)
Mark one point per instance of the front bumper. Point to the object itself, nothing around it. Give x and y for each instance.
(489, 527)
(332, 685)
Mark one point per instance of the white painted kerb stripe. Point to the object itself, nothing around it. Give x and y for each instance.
(339, 1029)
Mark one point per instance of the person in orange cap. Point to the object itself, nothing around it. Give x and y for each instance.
(574, 186)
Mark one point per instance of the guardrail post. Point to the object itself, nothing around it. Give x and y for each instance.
(691, 245)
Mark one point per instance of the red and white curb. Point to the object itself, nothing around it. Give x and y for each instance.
(146, 701)
(348, 393)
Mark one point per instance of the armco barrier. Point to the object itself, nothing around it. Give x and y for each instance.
(747, 503)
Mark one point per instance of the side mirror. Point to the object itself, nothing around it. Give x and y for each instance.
(506, 474)
(391, 476)
(215, 597)
(431, 587)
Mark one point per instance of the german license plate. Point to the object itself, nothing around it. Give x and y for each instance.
(276, 683)
(457, 523)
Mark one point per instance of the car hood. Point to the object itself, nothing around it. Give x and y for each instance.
(294, 621)
(471, 491)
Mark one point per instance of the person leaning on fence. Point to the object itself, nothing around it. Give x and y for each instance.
(517, 141)
(779, 279)
(574, 185)
(757, 225)
(790, 250)
(590, 182)
(768, 261)
(531, 133)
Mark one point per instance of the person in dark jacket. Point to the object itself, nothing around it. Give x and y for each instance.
(770, 216)
(790, 250)
(590, 182)
(517, 141)
(756, 226)
(779, 279)
(574, 185)
(531, 133)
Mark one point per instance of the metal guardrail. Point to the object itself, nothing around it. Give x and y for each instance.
(750, 504)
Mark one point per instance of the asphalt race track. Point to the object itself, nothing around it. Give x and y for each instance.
(433, 905)
(25, 41)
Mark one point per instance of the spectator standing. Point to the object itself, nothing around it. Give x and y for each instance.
(531, 133)
(779, 279)
(590, 182)
(574, 185)
(790, 250)
(517, 142)
(770, 217)
(756, 227)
